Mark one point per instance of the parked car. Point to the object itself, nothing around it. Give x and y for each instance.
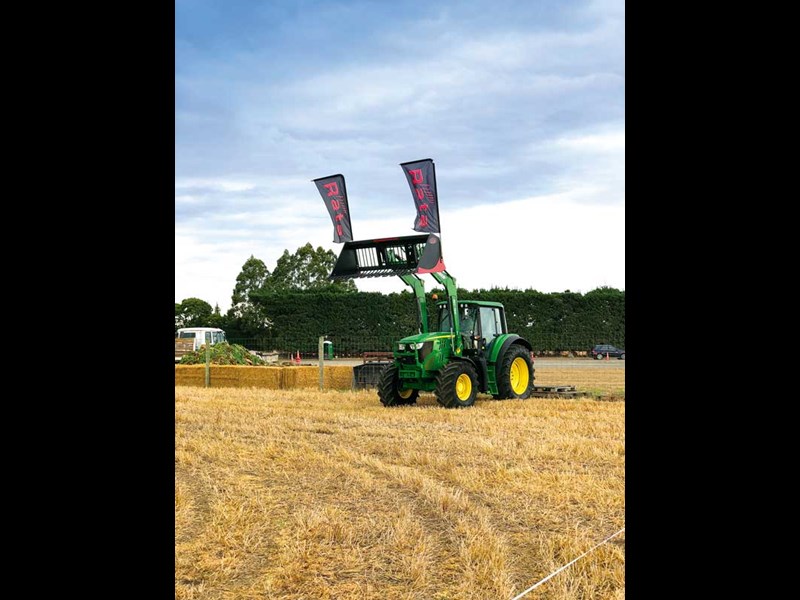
(601, 350)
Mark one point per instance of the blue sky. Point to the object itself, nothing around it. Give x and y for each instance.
(521, 105)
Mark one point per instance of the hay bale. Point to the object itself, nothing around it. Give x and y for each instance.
(334, 377)
(301, 377)
(192, 375)
(261, 377)
(224, 375)
(338, 377)
(289, 377)
(307, 376)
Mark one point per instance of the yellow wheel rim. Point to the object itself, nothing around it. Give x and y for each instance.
(519, 375)
(463, 387)
(404, 394)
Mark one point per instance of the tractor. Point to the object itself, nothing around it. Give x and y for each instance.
(470, 351)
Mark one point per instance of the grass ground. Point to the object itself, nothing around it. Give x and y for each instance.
(307, 494)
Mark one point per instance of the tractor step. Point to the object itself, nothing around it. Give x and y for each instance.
(556, 391)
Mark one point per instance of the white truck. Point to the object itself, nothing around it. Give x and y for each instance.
(190, 339)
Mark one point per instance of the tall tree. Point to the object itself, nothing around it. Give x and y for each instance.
(178, 317)
(193, 312)
(245, 318)
(306, 269)
(217, 319)
(253, 276)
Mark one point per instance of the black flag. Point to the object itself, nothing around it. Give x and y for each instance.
(334, 194)
(421, 176)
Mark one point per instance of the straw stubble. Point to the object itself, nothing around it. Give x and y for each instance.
(291, 494)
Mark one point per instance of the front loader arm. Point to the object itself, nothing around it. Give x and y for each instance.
(406, 257)
(419, 291)
(449, 283)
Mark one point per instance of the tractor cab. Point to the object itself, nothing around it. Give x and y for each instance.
(480, 324)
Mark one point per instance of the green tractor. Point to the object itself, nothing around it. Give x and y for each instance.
(470, 351)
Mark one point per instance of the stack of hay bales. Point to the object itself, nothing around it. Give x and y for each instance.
(275, 378)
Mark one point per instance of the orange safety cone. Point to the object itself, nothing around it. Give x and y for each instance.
(607, 355)
(297, 360)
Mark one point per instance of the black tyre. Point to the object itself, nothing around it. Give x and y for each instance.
(390, 392)
(457, 385)
(515, 375)
(600, 356)
(622, 356)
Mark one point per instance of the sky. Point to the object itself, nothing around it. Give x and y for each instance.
(520, 104)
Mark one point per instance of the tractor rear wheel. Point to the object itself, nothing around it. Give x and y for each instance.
(515, 376)
(457, 385)
(390, 390)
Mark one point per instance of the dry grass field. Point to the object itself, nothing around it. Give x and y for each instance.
(308, 494)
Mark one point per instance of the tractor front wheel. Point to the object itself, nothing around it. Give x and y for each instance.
(515, 376)
(390, 390)
(457, 385)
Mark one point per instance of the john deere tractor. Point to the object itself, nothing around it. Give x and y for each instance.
(470, 350)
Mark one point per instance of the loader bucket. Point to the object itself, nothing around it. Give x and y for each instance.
(389, 256)
(368, 375)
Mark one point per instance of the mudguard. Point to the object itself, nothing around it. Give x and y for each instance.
(502, 343)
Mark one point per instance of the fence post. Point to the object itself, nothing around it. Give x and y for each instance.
(321, 360)
(208, 358)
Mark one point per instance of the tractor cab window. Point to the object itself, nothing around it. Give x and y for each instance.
(491, 324)
(468, 319)
(444, 318)
(186, 334)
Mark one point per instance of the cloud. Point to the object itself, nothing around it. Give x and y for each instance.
(221, 185)
(610, 142)
(521, 105)
(548, 243)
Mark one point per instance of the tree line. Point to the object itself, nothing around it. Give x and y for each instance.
(297, 302)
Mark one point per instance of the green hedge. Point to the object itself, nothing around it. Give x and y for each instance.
(551, 322)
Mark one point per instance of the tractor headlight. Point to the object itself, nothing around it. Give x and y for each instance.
(401, 347)
(418, 345)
